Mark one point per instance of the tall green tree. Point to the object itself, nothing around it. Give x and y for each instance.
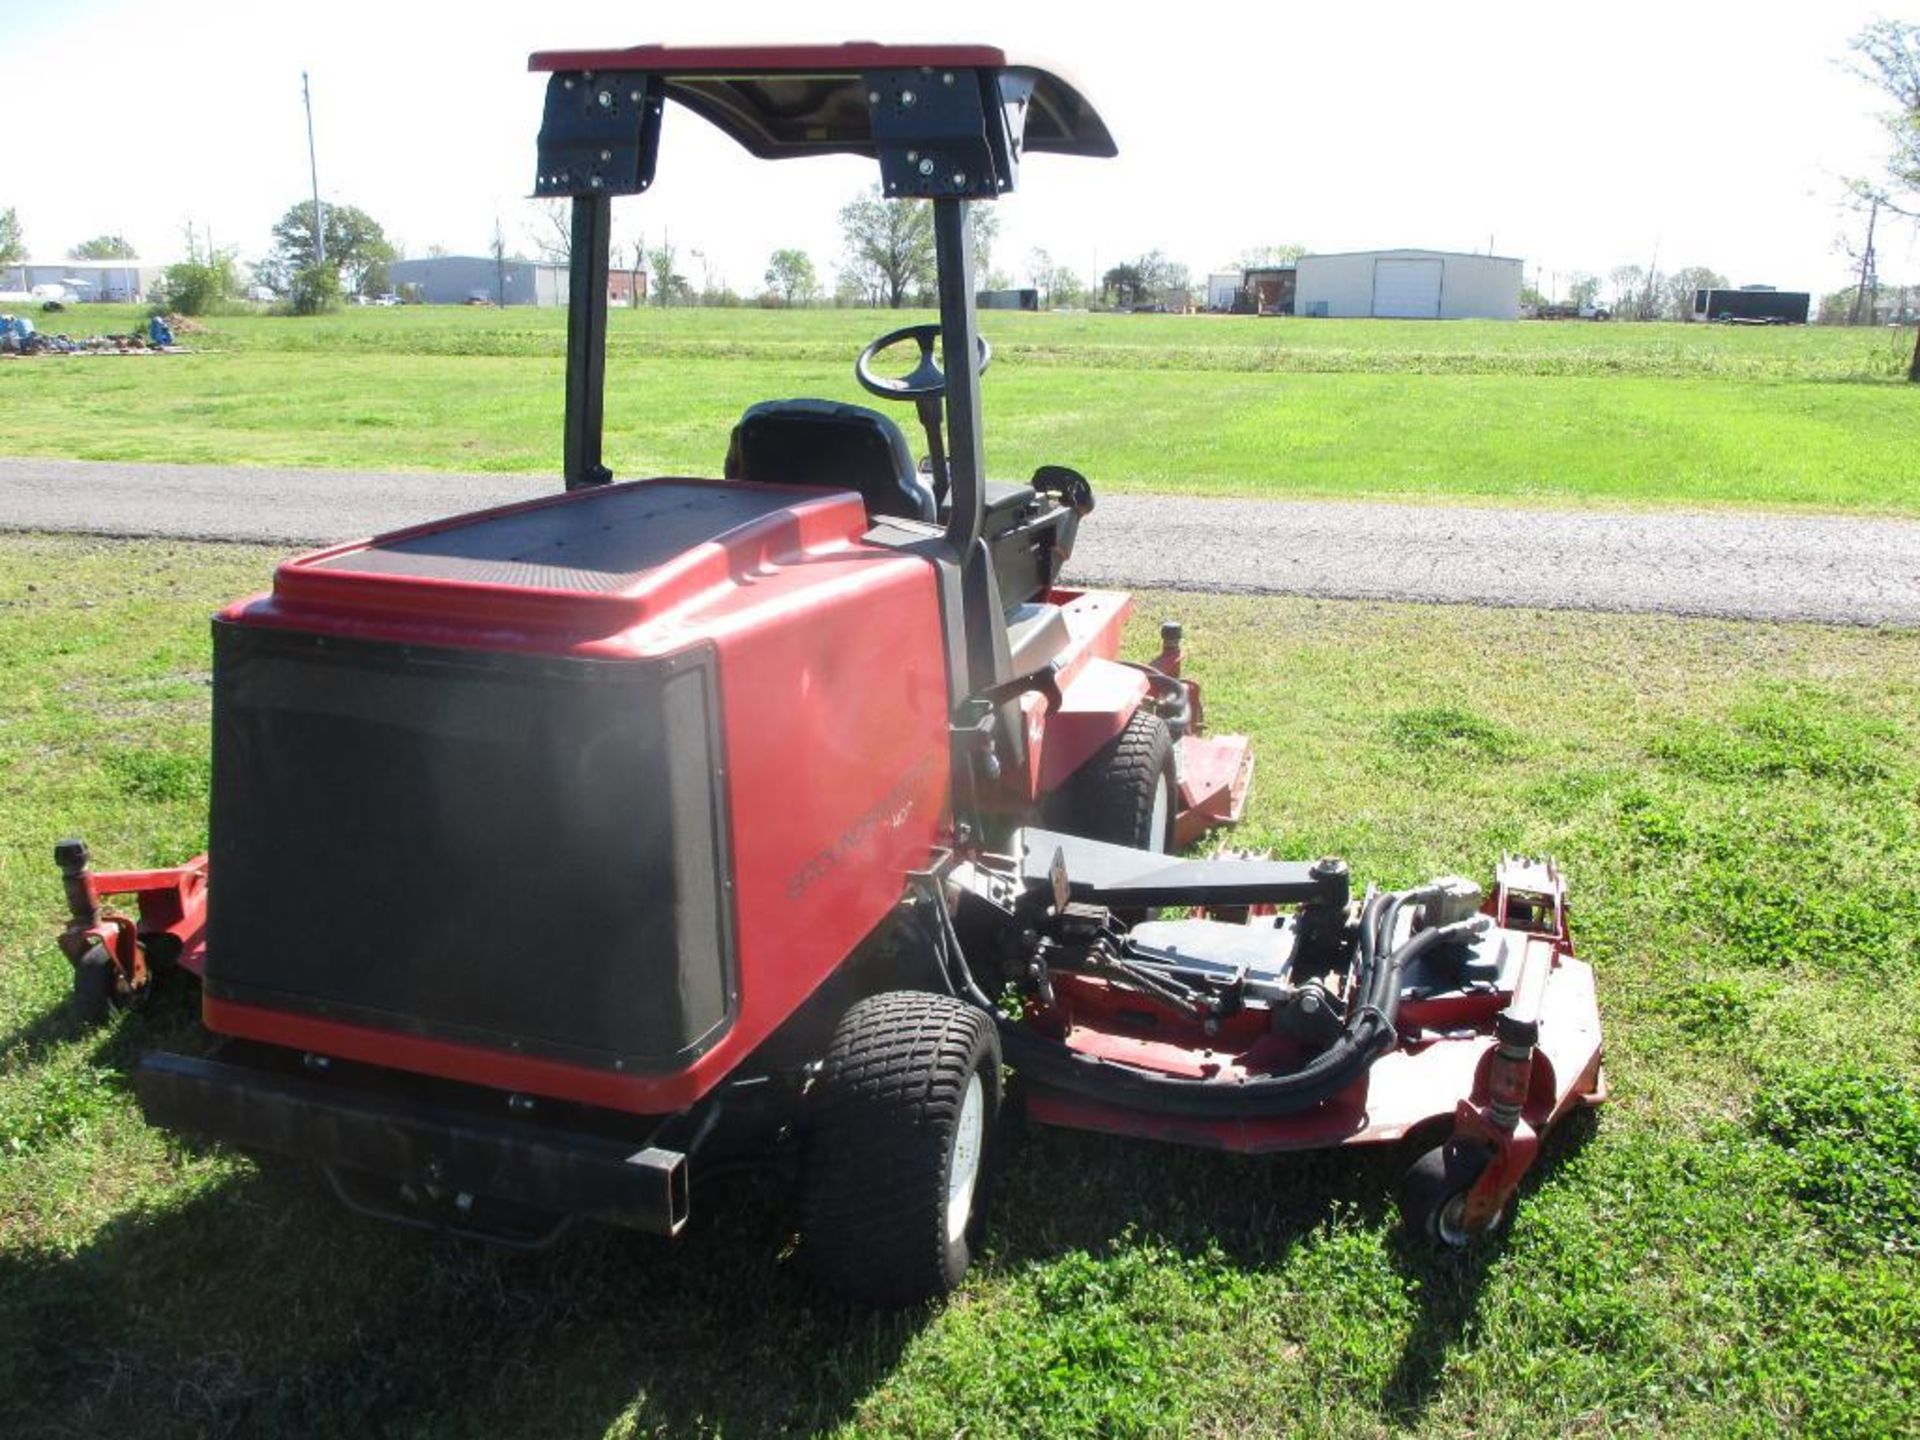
(889, 246)
(13, 239)
(667, 285)
(984, 221)
(791, 276)
(1629, 289)
(1887, 56)
(1261, 255)
(1057, 283)
(1144, 281)
(356, 245)
(1163, 276)
(890, 252)
(1124, 283)
(103, 247)
(1677, 289)
(201, 282)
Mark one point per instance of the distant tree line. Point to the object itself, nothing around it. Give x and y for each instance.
(887, 257)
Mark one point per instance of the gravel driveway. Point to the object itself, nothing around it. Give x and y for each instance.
(1739, 565)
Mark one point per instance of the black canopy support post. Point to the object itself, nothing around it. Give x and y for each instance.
(587, 340)
(960, 360)
(988, 658)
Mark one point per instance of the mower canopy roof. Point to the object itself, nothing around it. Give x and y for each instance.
(781, 101)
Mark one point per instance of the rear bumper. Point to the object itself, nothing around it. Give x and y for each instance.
(420, 1142)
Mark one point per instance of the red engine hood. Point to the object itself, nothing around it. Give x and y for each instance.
(619, 569)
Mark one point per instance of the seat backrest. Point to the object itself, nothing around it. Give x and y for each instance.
(833, 446)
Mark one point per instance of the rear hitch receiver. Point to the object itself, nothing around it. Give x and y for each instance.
(431, 1202)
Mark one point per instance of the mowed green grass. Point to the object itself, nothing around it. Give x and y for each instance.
(1730, 1248)
(1568, 413)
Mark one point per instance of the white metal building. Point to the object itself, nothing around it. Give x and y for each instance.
(1409, 285)
(90, 279)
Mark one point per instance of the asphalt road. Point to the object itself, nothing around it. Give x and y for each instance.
(1744, 566)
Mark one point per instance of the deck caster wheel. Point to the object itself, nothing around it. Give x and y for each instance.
(893, 1179)
(94, 978)
(1126, 794)
(1433, 1195)
(99, 989)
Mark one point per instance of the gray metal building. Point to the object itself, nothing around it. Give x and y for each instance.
(1409, 285)
(457, 279)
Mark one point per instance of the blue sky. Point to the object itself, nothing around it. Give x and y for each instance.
(1577, 136)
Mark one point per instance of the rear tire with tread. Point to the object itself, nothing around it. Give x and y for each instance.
(893, 1123)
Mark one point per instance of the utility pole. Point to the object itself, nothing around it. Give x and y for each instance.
(499, 264)
(313, 169)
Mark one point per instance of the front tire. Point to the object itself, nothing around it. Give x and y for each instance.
(894, 1178)
(1127, 793)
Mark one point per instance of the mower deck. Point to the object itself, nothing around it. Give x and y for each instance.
(1205, 1030)
(1216, 772)
(1442, 1060)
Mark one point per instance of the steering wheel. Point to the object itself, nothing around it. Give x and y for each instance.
(925, 381)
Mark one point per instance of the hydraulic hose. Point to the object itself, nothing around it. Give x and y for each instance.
(1369, 1033)
(954, 958)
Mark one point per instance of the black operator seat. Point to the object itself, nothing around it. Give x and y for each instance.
(832, 446)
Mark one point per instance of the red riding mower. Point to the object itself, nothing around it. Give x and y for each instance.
(565, 849)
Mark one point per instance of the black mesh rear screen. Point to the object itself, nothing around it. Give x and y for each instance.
(521, 851)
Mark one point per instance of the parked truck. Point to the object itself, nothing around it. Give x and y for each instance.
(1568, 310)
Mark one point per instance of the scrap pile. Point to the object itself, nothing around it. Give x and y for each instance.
(19, 337)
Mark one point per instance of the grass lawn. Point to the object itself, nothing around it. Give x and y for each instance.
(1731, 1248)
(1567, 413)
